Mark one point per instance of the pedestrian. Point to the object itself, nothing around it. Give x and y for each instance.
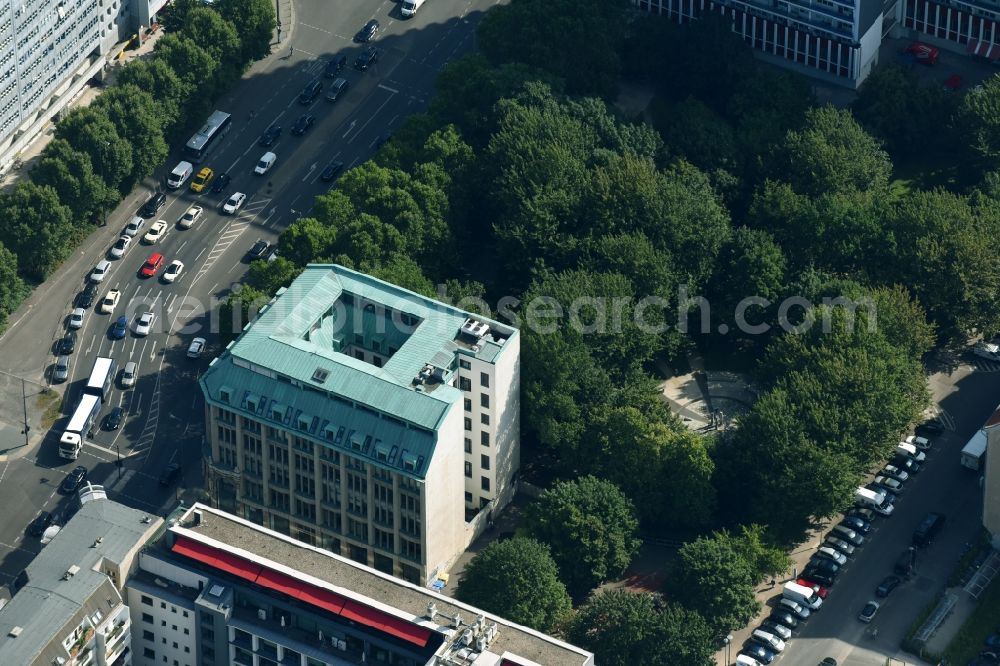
(291, 51)
(772, 583)
(253, 114)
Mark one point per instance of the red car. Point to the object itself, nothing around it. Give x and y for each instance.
(153, 264)
(925, 54)
(819, 589)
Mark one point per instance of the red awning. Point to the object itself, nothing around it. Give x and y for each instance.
(216, 558)
(310, 594)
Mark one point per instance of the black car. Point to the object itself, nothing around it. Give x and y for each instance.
(905, 463)
(904, 563)
(924, 534)
(366, 58)
(857, 523)
(258, 250)
(864, 514)
(310, 91)
(73, 479)
(336, 64)
(67, 345)
(367, 32)
(86, 297)
(820, 576)
(823, 564)
(113, 420)
(170, 474)
(785, 618)
(221, 181)
(930, 428)
(888, 584)
(41, 523)
(331, 171)
(269, 136)
(757, 651)
(153, 204)
(336, 89)
(302, 124)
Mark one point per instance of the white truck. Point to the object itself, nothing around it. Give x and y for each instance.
(974, 453)
(79, 425)
(410, 7)
(802, 595)
(873, 500)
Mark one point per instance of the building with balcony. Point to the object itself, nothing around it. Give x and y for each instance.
(366, 419)
(969, 25)
(49, 49)
(991, 478)
(217, 589)
(68, 607)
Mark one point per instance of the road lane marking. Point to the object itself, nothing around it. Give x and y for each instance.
(370, 118)
(200, 253)
(385, 87)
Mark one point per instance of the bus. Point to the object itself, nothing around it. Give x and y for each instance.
(214, 128)
(101, 377)
(79, 425)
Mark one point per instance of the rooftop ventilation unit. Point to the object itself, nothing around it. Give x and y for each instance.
(72, 571)
(476, 329)
(320, 375)
(15, 632)
(432, 611)
(198, 517)
(97, 542)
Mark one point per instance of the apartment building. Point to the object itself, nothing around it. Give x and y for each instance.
(217, 589)
(68, 606)
(991, 478)
(366, 419)
(48, 51)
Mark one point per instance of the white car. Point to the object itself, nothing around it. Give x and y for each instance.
(987, 350)
(895, 472)
(196, 347)
(129, 373)
(155, 232)
(143, 323)
(110, 301)
(173, 271)
(118, 249)
(894, 485)
(768, 640)
(190, 217)
(134, 225)
(76, 318)
(867, 613)
(100, 271)
(921, 443)
(832, 554)
(234, 203)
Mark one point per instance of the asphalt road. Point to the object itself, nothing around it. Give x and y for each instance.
(968, 394)
(164, 410)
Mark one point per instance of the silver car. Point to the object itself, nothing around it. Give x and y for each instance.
(128, 374)
(60, 372)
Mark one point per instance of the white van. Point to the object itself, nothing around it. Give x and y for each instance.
(769, 639)
(911, 452)
(410, 7)
(868, 498)
(266, 162)
(179, 175)
(801, 594)
(743, 660)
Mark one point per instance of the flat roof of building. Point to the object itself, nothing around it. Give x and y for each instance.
(51, 603)
(359, 584)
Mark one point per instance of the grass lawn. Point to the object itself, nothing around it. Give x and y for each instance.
(985, 620)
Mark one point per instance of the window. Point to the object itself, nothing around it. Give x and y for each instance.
(468, 424)
(147, 618)
(147, 601)
(484, 400)
(484, 461)
(464, 384)
(468, 445)
(465, 365)
(484, 438)
(468, 405)
(163, 605)
(484, 379)
(484, 419)
(148, 635)
(484, 483)
(468, 469)
(468, 498)
(148, 653)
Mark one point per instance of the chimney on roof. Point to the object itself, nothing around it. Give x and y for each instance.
(97, 542)
(432, 611)
(199, 517)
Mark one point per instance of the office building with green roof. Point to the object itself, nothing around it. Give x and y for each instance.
(366, 419)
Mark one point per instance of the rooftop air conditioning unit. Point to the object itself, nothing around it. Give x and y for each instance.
(476, 329)
(261, 614)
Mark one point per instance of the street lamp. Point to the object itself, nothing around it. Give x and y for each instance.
(119, 462)
(24, 403)
(727, 641)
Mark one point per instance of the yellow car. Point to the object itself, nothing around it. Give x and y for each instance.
(203, 178)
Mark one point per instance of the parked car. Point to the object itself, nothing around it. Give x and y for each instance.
(894, 472)
(893, 485)
(857, 523)
(60, 372)
(221, 182)
(67, 344)
(755, 650)
(987, 350)
(153, 205)
(905, 463)
(776, 628)
(816, 576)
(41, 522)
(867, 613)
(117, 250)
(794, 607)
(888, 584)
(768, 639)
(861, 512)
(76, 318)
(832, 554)
(110, 301)
(847, 534)
(822, 564)
(86, 297)
(930, 428)
(196, 347)
(784, 617)
(134, 226)
(839, 544)
(821, 589)
(100, 271)
(73, 479)
(922, 443)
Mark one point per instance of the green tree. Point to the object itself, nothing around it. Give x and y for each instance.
(89, 130)
(136, 117)
(269, 276)
(750, 264)
(517, 580)
(171, 94)
(715, 579)
(624, 628)
(239, 309)
(404, 272)
(691, 130)
(37, 228)
(204, 26)
(13, 290)
(832, 154)
(70, 173)
(306, 240)
(578, 41)
(590, 527)
(193, 64)
(255, 22)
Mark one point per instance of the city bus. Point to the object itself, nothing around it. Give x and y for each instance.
(101, 377)
(201, 143)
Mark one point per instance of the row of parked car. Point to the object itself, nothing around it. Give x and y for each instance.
(804, 596)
